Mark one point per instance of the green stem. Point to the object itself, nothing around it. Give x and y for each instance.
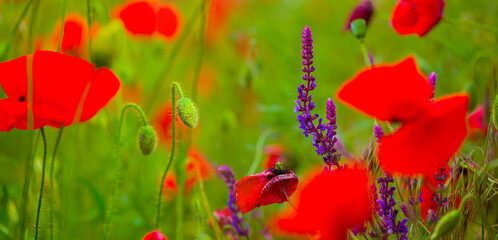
(161, 78)
(27, 180)
(14, 30)
(42, 182)
(89, 23)
(62, 24)
(159, 196)
(117, 170)
(470, 23)
(59, 135)
(259, 149)
(202, 33)
(364, 51)
(32, 20)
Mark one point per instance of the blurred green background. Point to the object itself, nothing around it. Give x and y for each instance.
(248, 81)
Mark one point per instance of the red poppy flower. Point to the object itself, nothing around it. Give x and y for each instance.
(476, 122)
(218, 15)
(388, 92)
(139, 17)
(73, 35)
(416, 16)
(274, 154)
(60, 82)
(423, 146)
(225, 218)
(328, 204)
(274, 185)
(149, 17)
(155, 235)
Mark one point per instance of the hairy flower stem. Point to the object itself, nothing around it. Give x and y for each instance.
(37, 224)
(160, 192)
(161, 77)
(117, 172)
(59, 136)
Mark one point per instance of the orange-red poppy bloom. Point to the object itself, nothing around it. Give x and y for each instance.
(273, 185)
(423, 146)
(396, 92)
(477, 124)
(150, 17)
(416, 16)
(73, 35)
(63, 89)
(155, 235)
(328, 204)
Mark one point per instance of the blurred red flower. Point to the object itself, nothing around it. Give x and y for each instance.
(155, 235)
(164, 126)
(396, 92)
(273, 155)
(423, 146)
(73, 35)
(149, 17)
(328, 204)
(273, 185)
(416, 16)
(59, 83)
(476, 122)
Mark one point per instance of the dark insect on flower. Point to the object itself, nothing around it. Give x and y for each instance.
(58, 83)
(155, 235)
(273, 185)
(416, 16)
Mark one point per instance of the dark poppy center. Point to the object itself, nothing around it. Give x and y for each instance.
(22, 99)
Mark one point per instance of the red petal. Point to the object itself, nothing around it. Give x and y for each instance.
(388, 92)
(103, 87)
(422, 147)
(428, 202)
(263, 189)
(329, 204)
(416, 16)
(167, 21)
(155, 235)
(72, 36)
(139, 18)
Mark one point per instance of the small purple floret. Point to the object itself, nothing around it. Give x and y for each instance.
(432, 81)
(229, 178)
(378, 132)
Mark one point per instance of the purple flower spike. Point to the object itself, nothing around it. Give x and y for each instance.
(363, 10)
(432, 81)
(229, 179)
(324, 134)
(378, 132)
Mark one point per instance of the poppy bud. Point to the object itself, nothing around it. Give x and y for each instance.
(187, 112)
(494, 112)
(147, 139)
(363, 10)
(470, 89)
(446, 225)
(359, 28)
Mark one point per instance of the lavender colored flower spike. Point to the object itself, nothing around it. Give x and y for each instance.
(363, 10)
(432, 81)
(229, 179)
(324, 134)
(378, 132)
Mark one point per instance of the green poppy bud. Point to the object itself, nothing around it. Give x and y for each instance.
(187, 112)
(359, 28)
(447, 224)
(147, 139)
(494, 112)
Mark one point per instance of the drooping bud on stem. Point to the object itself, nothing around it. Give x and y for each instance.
(147, 139)
(187, 111)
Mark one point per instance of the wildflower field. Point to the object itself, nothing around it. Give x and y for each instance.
(248, 119)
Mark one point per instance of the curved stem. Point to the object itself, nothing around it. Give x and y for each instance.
(476, 25)
(42, 182)
(364, 51)
(14, 30)
(59, 135)
(259, 149)
(117, 169)
(62, 25)
(159, 196)
(169, 62)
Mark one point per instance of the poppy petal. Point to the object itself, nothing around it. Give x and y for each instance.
(155, 235)
(388, 92)
(167, 21)
(103, 87)
(139, 18)
(416, 16)
(422, 147)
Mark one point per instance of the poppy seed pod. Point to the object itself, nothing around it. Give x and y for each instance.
(187, 112)
(146, 139)
(359, 28)
(447, 224)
